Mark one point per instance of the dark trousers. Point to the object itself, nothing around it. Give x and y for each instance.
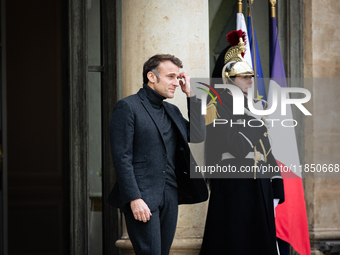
(155, 236)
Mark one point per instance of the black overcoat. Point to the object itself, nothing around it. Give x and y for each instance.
(240, 219)
(139, 153)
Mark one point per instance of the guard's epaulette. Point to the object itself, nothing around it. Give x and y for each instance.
(212, 113)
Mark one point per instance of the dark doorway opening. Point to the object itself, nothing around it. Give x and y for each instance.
(38, 192)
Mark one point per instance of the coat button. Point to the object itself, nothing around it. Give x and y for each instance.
(181, 148)
(163, 172)
(164, 155)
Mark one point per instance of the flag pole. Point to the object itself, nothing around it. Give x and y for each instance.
(272, 9)
(239, 6)
(250, 13)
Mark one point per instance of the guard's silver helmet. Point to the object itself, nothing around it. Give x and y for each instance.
(234, 64)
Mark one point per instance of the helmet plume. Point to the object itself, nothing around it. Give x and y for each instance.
(233, 38)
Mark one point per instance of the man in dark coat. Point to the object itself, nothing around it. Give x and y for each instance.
(149, 144)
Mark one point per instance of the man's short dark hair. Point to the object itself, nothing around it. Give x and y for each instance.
(153, 63)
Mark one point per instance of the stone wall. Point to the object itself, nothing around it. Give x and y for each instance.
(322, 134)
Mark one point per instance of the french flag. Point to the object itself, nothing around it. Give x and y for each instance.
(261, 90)
(291, 216)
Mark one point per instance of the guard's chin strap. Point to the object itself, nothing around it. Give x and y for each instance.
(230, 81)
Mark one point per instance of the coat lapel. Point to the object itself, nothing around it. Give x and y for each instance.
(176, 120)
(151, 111)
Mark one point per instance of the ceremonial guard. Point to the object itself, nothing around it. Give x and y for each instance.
(241, 212)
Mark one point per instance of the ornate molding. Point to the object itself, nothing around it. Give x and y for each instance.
(318, 234)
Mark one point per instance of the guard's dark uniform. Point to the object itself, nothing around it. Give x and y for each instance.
(240, 219)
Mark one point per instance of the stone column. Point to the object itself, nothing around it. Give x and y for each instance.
(322, 134)
(180, 28)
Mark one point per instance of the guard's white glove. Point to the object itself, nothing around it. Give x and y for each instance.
(276, 202)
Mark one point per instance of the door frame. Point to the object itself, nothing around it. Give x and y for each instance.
(110, 92)
(78, 123)
(4, 166)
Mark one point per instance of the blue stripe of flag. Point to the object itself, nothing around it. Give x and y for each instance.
(260, 82)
